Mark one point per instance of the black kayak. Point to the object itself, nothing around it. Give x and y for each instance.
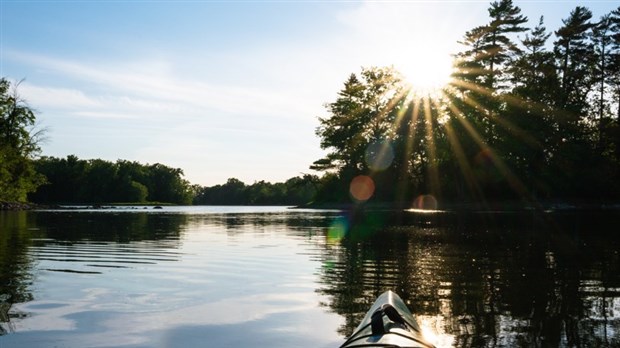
(388, 323)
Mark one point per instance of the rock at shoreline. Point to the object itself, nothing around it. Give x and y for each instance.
(15, 206)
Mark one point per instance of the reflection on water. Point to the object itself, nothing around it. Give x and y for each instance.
(221, 277)
(488, 280)
(166, 279)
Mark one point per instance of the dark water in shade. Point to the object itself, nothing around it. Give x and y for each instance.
(273, 277)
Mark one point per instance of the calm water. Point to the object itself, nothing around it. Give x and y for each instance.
(273, 277)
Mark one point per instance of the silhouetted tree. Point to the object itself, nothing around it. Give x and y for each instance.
(574, 54)
(362, 113)
(363, 126)
(506, 19)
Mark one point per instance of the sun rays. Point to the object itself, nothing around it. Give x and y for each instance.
(434, 112)
(460, 143)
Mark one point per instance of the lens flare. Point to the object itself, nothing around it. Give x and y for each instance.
(425, 202)
(379, 155)
(484, 158)
(337, 230)
(362, 188)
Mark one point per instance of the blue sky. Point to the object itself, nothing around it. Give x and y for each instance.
(218, 88)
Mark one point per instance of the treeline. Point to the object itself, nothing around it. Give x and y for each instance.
(73, 180)
(294, 191)
(523, 118)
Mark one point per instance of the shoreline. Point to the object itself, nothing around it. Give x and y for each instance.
(16, 206)
(472, 207)
(20, 206)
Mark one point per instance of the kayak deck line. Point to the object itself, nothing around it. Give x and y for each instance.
(388, 323)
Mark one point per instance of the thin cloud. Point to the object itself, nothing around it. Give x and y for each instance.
(157, 90)
(49, 97)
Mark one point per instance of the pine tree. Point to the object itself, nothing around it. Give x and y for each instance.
(506, 19)
(363, 112)
(602, 41)
(574, 54)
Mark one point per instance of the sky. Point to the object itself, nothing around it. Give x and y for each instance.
(220, 89)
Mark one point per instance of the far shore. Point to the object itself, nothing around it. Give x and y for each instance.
(34, 206)
(493, 206)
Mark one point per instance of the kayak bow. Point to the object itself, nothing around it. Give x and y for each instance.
(388, 323)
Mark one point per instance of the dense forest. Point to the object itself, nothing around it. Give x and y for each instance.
(522, 119)
(529, 115)
(72, 180)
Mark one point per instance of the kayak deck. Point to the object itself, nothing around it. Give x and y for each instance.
(388, 323)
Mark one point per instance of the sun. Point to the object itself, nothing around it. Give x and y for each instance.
(426, 73)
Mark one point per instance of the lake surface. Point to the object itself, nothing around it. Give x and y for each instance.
(276, 277)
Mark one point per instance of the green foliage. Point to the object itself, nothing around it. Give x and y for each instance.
(165, 184)
(72, 180)
(17, 175)
(18, 144)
